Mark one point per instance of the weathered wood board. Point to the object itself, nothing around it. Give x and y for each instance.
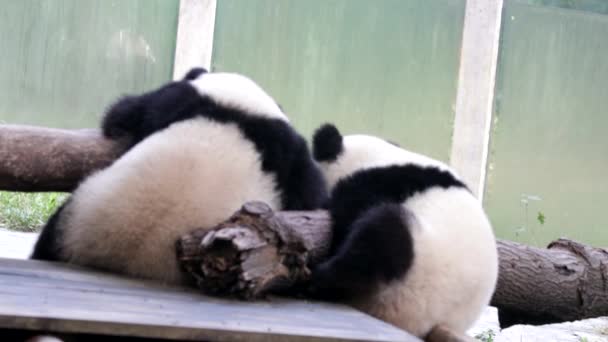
(56, 297)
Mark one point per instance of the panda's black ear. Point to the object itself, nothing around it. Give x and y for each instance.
(327, 143)
(123, 118)
(194, 73)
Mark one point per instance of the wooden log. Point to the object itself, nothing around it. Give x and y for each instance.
(567, 281)
(47, 159)
(256, 251)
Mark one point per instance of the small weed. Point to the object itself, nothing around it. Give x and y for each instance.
(28, 211)
(525, 201)
(541, 217)
(486, 336)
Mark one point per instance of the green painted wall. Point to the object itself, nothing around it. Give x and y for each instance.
(63, 61)
(549, 131)
(598, 6)
(386, 67)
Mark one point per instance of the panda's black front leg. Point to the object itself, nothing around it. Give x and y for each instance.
(377, 248)
(305, 187)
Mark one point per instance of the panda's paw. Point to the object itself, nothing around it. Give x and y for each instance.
(320, 275)
(323, 283)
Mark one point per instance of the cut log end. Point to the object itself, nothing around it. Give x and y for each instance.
(251, 254)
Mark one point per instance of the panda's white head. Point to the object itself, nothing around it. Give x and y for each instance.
(340, 156)
(219, 96)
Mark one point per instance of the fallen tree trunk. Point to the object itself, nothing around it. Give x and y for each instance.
(568, 281)
(47, 159)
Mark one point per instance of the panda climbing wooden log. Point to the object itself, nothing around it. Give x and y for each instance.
(536, 286)
(198, 148)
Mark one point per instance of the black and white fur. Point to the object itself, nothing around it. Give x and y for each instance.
(199, 149)
(411, 246)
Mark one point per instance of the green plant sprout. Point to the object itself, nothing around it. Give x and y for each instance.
(525, 200)
(486, 336)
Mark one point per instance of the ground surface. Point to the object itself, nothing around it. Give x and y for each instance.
(16, 244)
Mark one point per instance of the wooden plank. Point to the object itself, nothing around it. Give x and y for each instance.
(479, 55)
(194, 43)
(39, 295)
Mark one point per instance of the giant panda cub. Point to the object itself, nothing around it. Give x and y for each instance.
(199, 148)
(411, 245)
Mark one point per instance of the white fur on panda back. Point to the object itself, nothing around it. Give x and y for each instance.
(455, 265)
(372, 152)
(238, 92)
(454, 270)
(193, 174)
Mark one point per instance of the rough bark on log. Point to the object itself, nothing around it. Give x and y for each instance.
(47, 159)
(567, 281)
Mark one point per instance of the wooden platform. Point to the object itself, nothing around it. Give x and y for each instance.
(55, 297)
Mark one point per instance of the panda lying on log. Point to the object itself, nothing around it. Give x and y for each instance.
(411, 244)
(198, 149)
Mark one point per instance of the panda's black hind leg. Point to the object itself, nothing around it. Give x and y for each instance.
(377, 248)
(48, 245)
